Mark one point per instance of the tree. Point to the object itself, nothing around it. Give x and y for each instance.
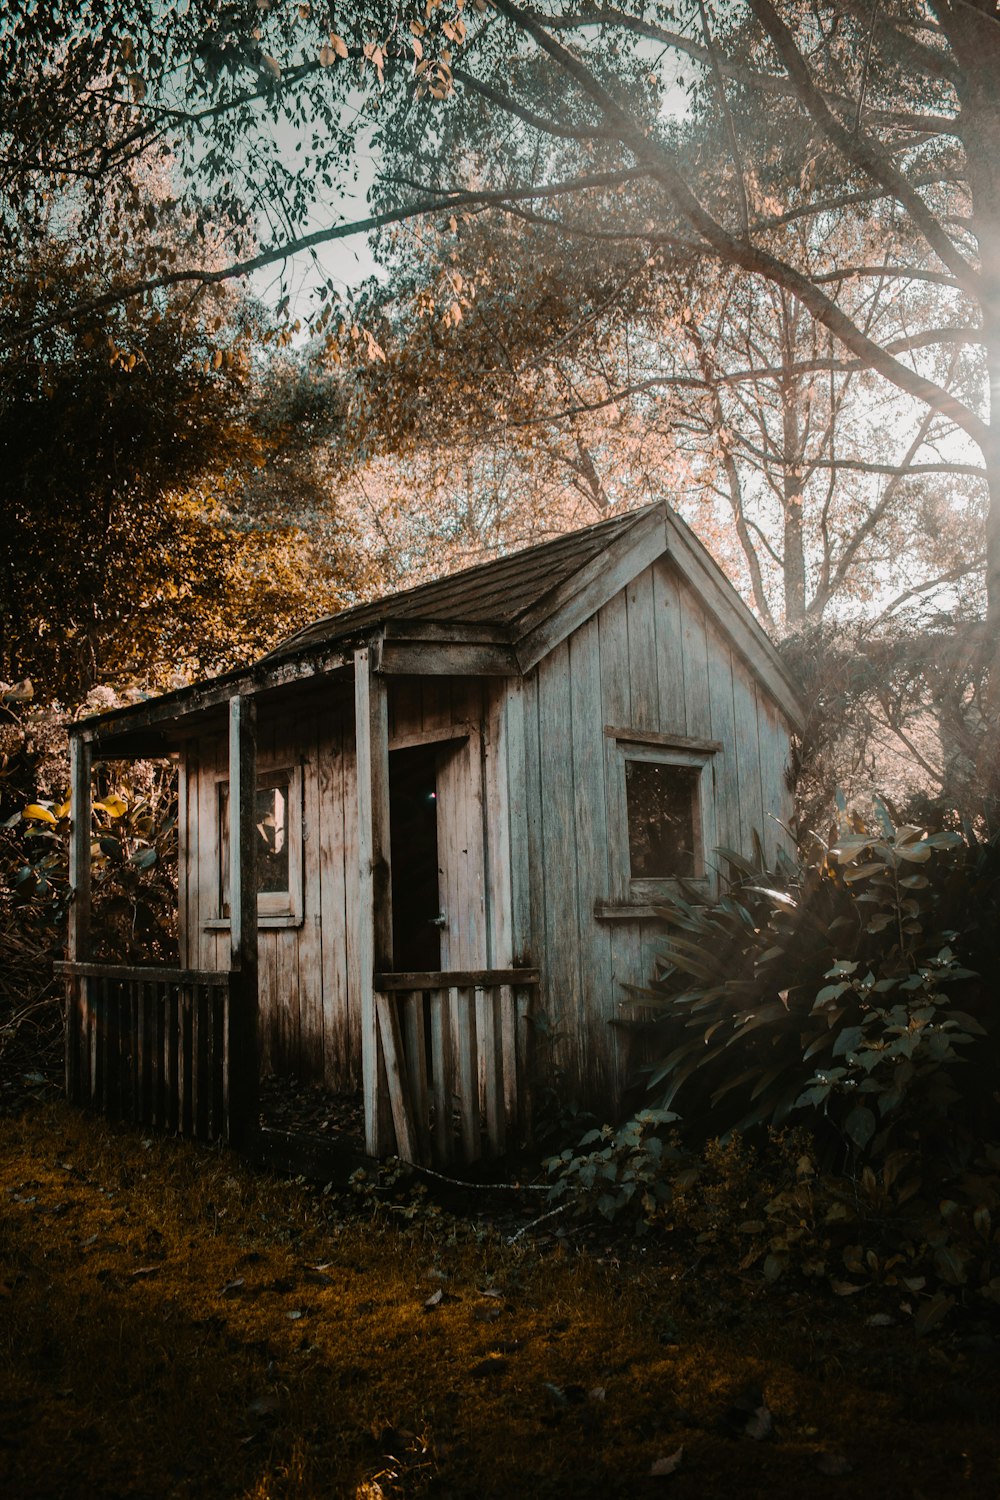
(127, 549)
(892, 110)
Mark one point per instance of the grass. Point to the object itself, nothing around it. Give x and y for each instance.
(172, 1324)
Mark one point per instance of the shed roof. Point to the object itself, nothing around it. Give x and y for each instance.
(496, 619)
(500, 592)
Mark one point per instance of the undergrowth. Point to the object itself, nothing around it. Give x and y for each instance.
(174, 1325)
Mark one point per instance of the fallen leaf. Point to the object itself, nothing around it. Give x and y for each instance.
(879, 1320)
(760, 1424)
(317, 1276)
(598, 1393)
(833, 1465)
(666, 1466)
(264, 1406)
(143, 1272)
(434, 1300)
(844, 1288)
(489, 1291)
(294, 1314)
(233, 1288)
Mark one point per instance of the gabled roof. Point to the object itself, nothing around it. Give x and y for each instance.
(496, 619)
(501, 592)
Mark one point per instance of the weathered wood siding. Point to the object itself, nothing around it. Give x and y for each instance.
(651, 659)
(309, 1019)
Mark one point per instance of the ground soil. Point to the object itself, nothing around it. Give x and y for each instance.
(175, 1324)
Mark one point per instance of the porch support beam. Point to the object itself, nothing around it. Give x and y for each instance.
(371, 719)
(78, 922)
(242, 1067)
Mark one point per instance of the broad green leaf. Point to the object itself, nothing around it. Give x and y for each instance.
(860, 1125)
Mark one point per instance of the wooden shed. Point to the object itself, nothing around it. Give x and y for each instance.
(421, 842)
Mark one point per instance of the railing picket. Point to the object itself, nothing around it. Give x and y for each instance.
(183, 1060)
(217, 1011)
(488, 1057)
(508, 1054)
(441, 1075)
(464, 1031)
(415, 1047)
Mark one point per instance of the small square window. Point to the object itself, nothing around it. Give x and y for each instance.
(663, 821)
(661, 815)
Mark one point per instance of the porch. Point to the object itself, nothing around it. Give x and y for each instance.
(443, 1051)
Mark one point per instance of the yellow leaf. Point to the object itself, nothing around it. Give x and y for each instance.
(36, 811)
(62, 810)
(338, 44)
(113, 806)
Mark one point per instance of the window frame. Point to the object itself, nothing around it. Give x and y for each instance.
(274, 908)
(624, 745)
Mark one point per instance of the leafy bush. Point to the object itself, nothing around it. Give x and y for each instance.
(837, 990)
(625, 1175)
(133, 856)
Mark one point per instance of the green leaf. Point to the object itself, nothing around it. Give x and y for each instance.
(860, 1125)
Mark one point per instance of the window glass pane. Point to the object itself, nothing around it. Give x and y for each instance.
(272, 826)
(661, 819)
(272, 848)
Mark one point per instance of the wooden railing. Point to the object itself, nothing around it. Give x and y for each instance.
(456, 1051)
(154, 1046)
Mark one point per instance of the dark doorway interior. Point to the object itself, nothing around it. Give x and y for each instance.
(413, 851)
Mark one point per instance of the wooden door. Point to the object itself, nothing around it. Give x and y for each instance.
(461, 853)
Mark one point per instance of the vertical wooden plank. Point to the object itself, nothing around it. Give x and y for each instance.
(332, 900)
(398, 1088)
(488, 1049)
(286, 1001)
(508, 1055)
(78, 920)
(747, 756)
(269, 1043)
(309, 942)
(186, 958)
(525, 1001)
(724, 768)
(559, 853)
(617, 711)
(642, 652)
(355, 936)
(499, 915)
(141, 1056)
(694, 642)
(668, 635)
(412, 1017)
(467, 1079)
(242, 1049)
(598, 999)
(374, 939)
(512, 768)
(772, 738)
(441, 1076)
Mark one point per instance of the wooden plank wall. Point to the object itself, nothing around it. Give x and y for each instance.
(309, 1021)
(651, 659)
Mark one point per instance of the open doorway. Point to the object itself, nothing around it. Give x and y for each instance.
(413, 853)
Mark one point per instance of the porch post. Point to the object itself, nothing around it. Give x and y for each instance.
(242, 1064)
(371, 719)
(78, 921)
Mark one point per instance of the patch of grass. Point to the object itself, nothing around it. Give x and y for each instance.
(174, 1325)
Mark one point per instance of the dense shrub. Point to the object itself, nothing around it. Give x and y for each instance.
(133, 859)
(854, 992)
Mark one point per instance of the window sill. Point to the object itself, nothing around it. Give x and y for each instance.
(221, 924)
